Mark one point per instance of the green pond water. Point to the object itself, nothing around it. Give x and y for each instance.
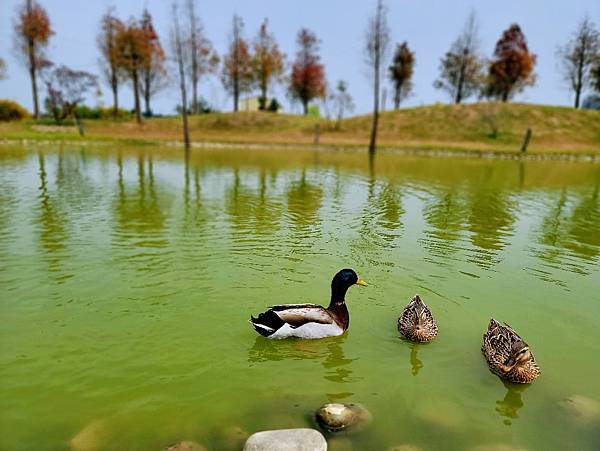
(127, 278)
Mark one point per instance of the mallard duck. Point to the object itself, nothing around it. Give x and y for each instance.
(310, 320)
(508, 355)
(417, 322)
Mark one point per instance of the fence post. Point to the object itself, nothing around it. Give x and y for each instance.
(526, 140)
(317, 133)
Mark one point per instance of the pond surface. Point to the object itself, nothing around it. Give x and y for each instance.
(128, 276)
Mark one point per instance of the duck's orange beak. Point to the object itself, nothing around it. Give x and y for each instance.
(361, 283)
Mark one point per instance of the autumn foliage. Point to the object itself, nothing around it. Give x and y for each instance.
(237, 71)
(511, 70)
(32, 33)
(153, 70)
(267, 62)
(110, 28)
(308, 74)
(203, 59)
(134, 52)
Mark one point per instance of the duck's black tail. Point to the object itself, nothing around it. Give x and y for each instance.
(267, 323)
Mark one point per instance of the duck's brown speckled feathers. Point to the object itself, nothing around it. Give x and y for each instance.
(508, 355)
(417, 322)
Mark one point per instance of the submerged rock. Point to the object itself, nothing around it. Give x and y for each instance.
(335, 417)
(92, 437)
(186, 446)
(497, 447)
(286, 440)
(406, 447)
(339, 443)
(231, 437)
(583, 409)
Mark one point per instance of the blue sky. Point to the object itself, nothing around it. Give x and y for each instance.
(429, 26)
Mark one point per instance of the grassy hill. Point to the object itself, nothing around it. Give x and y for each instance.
(478, 127)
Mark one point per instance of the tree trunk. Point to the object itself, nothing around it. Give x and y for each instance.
(194, 94)
(505, 95)
(147, 94)
(305, 107)
(373, 142)
(579, 82)
(397, 98)
(33, 76)
(115, 91)
(180, 64)
(186, 130)
(263, 94)
(236, 94)
(461, 79)
(136, 96)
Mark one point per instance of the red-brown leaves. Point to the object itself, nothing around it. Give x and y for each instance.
(308, 74)
(512, 67)
(34, 23)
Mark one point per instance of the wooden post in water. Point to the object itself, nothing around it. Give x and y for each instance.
(526, 140)
(317, 134)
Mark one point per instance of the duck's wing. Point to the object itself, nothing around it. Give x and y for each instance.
(290, 317)
(497, 342)
(297, 315)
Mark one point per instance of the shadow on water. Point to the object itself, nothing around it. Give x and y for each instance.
(513, 402)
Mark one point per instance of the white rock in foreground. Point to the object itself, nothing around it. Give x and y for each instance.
(286, 440)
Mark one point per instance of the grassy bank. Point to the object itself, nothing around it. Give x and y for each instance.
(477, 127)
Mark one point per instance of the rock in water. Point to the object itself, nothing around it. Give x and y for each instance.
(406, 447)
(335, 417)
(582, 409)
(186, 446)
(286, 440)
(92, 437)
(497, 447)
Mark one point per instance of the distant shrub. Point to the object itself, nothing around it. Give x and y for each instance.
(87, 112)
(274, 106)
(313, 110)
(12, 111)
(591, 102)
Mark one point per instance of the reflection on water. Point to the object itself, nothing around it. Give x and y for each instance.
(158, 259)
(53, 233)
(511, 404)
(415, 363)
(329, 352)
(490, 221)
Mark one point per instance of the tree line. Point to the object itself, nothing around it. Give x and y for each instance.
(132, 53)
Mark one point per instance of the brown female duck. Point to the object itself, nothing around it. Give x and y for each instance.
(508, 355)
(417, 322)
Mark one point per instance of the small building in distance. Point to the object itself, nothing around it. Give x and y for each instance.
(249, 104)
(253, 104)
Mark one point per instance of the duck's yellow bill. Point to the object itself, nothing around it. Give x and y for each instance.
(361, 282)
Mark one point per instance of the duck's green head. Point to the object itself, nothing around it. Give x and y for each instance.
(342, 281)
